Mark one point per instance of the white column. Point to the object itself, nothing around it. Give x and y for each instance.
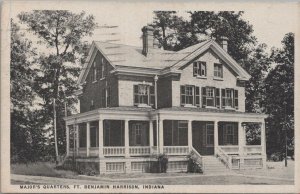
(126, 133)
(88, 142)
(67, 140)
(77, 139)
(100, 139)
(242, 138)
(190, 139)
(216, 136)
(151, 134)
(161, 136)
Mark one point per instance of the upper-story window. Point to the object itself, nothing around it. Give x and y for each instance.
(190, 95)
(218, 70)
(208, 96)
(144, 95)
(230, 98)
(94, 72)
(106, 97)
(199, 69)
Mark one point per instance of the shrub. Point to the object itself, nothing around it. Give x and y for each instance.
(87, 168)
(160, 165)
(276, 157)
(193, 165)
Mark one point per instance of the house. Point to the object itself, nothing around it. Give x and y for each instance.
(138, 102)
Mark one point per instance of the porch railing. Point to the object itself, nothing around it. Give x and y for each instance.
(253, 149)
(114, 151)
(176, 150)
(139, 150)
(198, 157)
(224, 157)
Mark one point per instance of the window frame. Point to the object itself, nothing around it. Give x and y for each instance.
(219, 70)
(213, 97)
(211, 135)
(150, 97)
(226, 134)
(200, 69)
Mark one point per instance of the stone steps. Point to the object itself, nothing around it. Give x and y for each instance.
(213, 165)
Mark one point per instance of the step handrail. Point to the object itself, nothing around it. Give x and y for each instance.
(199, 158)
(227, 159)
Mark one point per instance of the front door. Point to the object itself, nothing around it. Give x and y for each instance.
(203, 137)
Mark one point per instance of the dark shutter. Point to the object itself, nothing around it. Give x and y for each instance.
(203, 97)
(217, 99)
(182, 95)
(197, 96)
(236, 99)
(152, 96)
(223, 98)
(135, 94)
(195, 69)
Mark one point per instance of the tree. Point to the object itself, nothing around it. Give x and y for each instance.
(24, 119)
(279, 100)
(62, 33)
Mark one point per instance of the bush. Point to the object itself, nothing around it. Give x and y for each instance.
(161, 165)
(87, 168)
(193, 165)
(276, 157)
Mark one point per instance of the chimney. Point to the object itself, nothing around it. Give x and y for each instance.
(148, 40)
(224, 43)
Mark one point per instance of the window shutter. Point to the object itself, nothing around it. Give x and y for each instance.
(217, 99)
(197, 96)
(135, 94)
(223, 98)
(182, 95)
(152, 96)
(195, 69)
(203, 97)
(236, 99)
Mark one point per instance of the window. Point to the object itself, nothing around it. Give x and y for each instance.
(108, 95)
(94, 73)
(199, 69)
(210, 97)
(144, 94)
(218, 70)
(210, 134)
(138, 134)
(102, 71)
(94, 134)
(175, 132)
(103, 98)
(230, 98)
(92, 106)
(190, 95)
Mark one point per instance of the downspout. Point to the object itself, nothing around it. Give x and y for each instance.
(155, 87)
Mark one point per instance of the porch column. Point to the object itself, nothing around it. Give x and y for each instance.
(67, 139)
(100, 139)
(126, 133)
(190, 139)
(263, 138)
(88, 143)
(242, 138)
(216, 136)
(151, 134)
(77, 139)
(161, 136)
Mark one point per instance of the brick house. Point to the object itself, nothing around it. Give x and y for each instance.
(138, 102)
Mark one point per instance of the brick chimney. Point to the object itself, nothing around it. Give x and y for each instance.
(148, 39)
(224, 43)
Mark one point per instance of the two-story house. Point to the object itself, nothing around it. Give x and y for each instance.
(137, 102)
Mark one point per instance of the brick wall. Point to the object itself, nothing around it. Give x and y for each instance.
(92, 90)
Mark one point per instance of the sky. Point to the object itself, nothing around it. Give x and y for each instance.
(271, 21)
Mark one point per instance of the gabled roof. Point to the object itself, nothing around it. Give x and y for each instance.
(119, 55)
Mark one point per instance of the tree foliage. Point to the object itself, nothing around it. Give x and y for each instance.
(279, 99)
(60, 34)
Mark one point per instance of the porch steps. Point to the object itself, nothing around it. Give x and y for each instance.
(212, 165)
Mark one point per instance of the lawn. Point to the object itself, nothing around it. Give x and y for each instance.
(41, 169)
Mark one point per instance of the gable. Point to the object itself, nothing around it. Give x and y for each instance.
(218, 53)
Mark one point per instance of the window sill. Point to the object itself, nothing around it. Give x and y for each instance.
(201, 77)
(218, 78)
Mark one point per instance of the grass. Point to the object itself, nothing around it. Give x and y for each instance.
(41, 169)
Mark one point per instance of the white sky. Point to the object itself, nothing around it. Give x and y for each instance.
(270, 20)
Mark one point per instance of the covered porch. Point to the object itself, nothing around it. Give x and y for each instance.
(130, 134)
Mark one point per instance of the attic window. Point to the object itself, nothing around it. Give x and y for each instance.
(218, 70)
(199, 69)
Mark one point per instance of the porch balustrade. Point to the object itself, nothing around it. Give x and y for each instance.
(114, 151)
(139, 151)
(176, 150)
(230, 149)
(94, 151)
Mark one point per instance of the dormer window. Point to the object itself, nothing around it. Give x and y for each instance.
(144, 95)
(199, 69)
(218, 70)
